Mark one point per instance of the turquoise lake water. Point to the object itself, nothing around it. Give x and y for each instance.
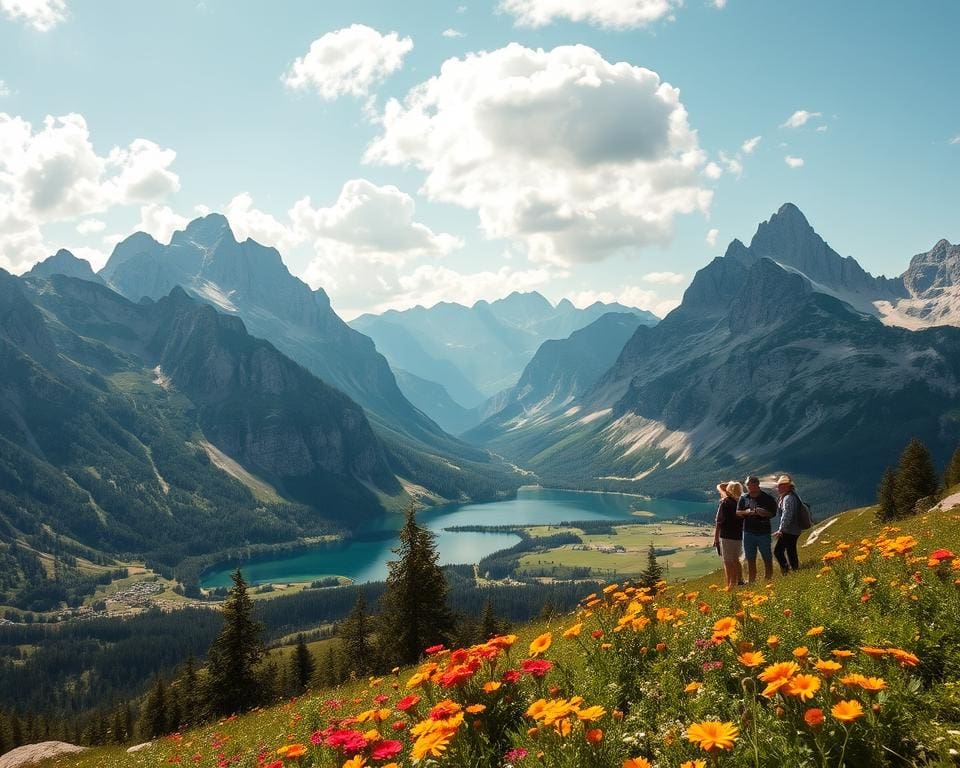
(367, 560)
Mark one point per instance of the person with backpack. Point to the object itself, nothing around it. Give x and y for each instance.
(788, 532)
(757, 508)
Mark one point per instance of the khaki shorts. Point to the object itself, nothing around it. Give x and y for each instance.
(730, 550)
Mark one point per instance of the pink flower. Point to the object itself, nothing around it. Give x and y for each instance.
(384, 750)
(536, 667)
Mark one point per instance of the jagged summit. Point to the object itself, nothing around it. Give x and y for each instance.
(207, 230)
(63, 262)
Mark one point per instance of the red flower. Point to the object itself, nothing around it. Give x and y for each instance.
(350, 742)
(384, 750)
(511, 676)
(536, 667)
(407, 701)
(434, 649)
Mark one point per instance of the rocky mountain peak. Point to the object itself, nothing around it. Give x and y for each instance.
(931, 272)
(206, 231)
(64, 263)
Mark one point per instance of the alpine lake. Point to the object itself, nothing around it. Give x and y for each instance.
(364, 558)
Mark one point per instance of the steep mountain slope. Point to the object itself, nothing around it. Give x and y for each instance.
(759, 369)
(105, 413)
(65, 263)
(250, 281)
(487, 344)
(434, 399)
(932, 282)
(562, 370)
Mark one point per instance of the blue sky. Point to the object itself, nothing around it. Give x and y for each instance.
(538, 166)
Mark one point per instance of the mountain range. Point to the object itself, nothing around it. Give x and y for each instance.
(776, 360)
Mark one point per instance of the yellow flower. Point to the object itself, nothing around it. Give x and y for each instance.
(476, 709)
(847, 711)
(815, 631)
(694, 764)
(873, 684)
(712, 734)
(783, 670)
(431, 743)
(773, 641)
(803, 687)
(356, 761)
(541, 644)
(574, 631)
(591, 713)
(802, 652)
(751, 658)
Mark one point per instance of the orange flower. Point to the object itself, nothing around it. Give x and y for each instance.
(594, 735)
(541, 644)
(802, 652)
(724, 627)
(773, 641)
(751, 659)
(356, 761)
(292, 751)
(873, 684)
(773, 686)
(816, 631)
(591, 713)
(636, 762)
(804, 687)
(873, 653)
(827, 668)
(905, 658)
(692, 687)
(712, 734)
(847, 711)
(476, 709)
(841, 654)
(813, 717)
(491, 686)
(783, 670)
(573, 631)
(694, 764)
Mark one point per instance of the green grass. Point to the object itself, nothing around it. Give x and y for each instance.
(643, 671)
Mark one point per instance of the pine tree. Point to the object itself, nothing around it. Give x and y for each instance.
(357, 652)
(233, 657)
(301, 665)
(952, 476)
(414, 614)
(153, 718)
(490, 625)
(886, 503)
(915, 479)
(653, 573)
(128, 721)
(191, 698)
(326, 673)
(117, 731)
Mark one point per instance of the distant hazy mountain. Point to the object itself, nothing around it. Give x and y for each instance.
(250, 281)
(65, 263)
(433, 398)
(561, 371)
(762, 369)
(476, 352)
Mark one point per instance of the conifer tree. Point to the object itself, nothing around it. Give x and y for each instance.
(153, 718)
(915, 479)
(490, 625)
(233, 657)
(356, 650)
(191, 699)
(653, 573)
(886, 503)
(301, 665)
(952, 476)
(414, 614)
(117, 730)
(326, 673)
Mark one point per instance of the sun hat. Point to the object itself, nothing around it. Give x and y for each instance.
(784, 480)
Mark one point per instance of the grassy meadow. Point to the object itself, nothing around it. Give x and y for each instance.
(854, 660)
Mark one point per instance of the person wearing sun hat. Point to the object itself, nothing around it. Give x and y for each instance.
(788, 532)
(728, 532)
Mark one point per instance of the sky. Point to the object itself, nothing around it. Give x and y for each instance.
(408, 153)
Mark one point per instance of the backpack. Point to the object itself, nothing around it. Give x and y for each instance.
(804, 514)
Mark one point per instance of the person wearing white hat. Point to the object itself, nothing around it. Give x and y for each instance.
(788, 532)
(728, 532)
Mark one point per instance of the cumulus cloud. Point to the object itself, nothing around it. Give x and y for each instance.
(800, 118)
(712, 235)
(369, 223)
(629, 296)
(573, 156)
(89, 226)
(663, 278)
(160, 222)
(246, 221)
(39, 14)
(750, 145)
(793, 162)
(719, 4)
(712, 171)
(349, 61)
(452, 33)
(95, 256)
(612, 14)
(54, 174)
(733, 165)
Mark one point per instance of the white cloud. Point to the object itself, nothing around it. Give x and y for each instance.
(955, 139)
(732, 165)
(39, 14)
(630, 296)
(4, 89)
(614, 14)
(719, 4)
(369, 223)
(160, 222)
(712, 171)
(249, 222)
(750, 145)
(88, 226)
(452, 33)
(54, 174)
(573, 156)
(349, 61)
(95, 256)
(712, 235)
(821, 128)
(800, 118)
(663, 278)
(793, 162)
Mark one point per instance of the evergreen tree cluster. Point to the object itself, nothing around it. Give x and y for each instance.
(912, 485)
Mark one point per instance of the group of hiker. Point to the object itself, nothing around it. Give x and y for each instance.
(743, 527)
